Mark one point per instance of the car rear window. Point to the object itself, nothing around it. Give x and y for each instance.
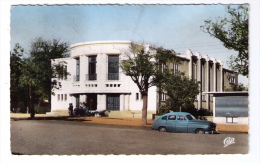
(190, 117)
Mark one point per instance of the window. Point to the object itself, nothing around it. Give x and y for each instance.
(164, 118)
(203, 78)
(211, 77)
(190, 117)
(58, 97)
(113, 67)
(77, 78)
(65, 97)
(194, 71)
(92, 60)
(61, 97)
(172, 117)
(65, 72)
(181, 118)
(231, 79)
(113, 102)
(137, 96)
(163, 96)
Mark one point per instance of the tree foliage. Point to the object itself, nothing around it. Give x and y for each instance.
(42, 53)
(180, 89)
(145, 69)
(16, 62)
(232, 31)
(140, 66)
(31, 76)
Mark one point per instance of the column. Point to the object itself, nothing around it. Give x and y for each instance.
(101, 102)
(199, 80)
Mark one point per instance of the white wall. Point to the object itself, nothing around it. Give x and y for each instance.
(127, 89)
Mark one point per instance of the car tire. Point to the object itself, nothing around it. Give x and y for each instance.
(162, 129)
(200, 131)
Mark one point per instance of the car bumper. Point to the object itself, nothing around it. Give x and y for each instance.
(212, 132)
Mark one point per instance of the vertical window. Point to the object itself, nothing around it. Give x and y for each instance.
(92, 60)
(58, 97)
(232, 79)
(211, 78)
(61, 97)
(65, 97)
(218, 78)
(113, 67)
(137, 96)
(203, 78)
(65, 72)
(175, 68)
(194, 71)
(77, 69)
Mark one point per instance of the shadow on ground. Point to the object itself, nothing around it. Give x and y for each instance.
(64, 118)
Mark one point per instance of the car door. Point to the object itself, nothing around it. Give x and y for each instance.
(181, 124)
(171, 123)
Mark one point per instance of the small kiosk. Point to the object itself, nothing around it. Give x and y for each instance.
(230, 107)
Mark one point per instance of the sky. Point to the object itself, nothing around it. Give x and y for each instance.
(175, 27)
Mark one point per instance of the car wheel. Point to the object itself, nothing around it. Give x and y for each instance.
(200, 131)
(162, 129)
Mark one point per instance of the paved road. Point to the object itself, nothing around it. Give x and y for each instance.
(56, 137)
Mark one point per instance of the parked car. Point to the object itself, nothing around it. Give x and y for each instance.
(183, 122)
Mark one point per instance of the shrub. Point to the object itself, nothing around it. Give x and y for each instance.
(41, 109)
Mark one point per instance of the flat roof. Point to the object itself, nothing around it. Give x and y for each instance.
(235, 93)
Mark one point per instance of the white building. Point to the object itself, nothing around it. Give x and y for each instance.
(96, 79)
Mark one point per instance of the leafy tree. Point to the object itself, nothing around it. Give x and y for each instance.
(144, 68)
(139, 65)
(232, 31)
(180, 89)
(16, 64)
(42, 53)
(31, 77)
(29, 81)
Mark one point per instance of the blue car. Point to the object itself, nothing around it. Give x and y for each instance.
(183, 122)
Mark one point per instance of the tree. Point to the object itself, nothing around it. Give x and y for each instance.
(144, 68)
(16, 64)
(31, 77)
(42, 53)
(29, 81)
(180, 89)
(233, 33)
(139, 65)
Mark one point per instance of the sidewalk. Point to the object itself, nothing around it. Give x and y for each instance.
(120, 121)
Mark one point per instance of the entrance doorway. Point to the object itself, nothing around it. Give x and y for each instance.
(113, 101)
(92, 101)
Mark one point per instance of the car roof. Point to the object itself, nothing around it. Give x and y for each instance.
(176, 113)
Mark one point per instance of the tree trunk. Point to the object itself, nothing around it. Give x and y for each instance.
(31, 103)
(180, 108)
(144, 110)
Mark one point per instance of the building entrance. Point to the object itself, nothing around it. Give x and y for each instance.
(91, 99)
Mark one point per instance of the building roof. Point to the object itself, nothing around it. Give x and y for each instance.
(236, 93)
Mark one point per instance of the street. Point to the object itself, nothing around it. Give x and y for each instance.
(59, 137)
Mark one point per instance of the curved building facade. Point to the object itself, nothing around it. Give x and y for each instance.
(95, 78)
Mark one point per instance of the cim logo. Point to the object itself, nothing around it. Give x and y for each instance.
(228, 141)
